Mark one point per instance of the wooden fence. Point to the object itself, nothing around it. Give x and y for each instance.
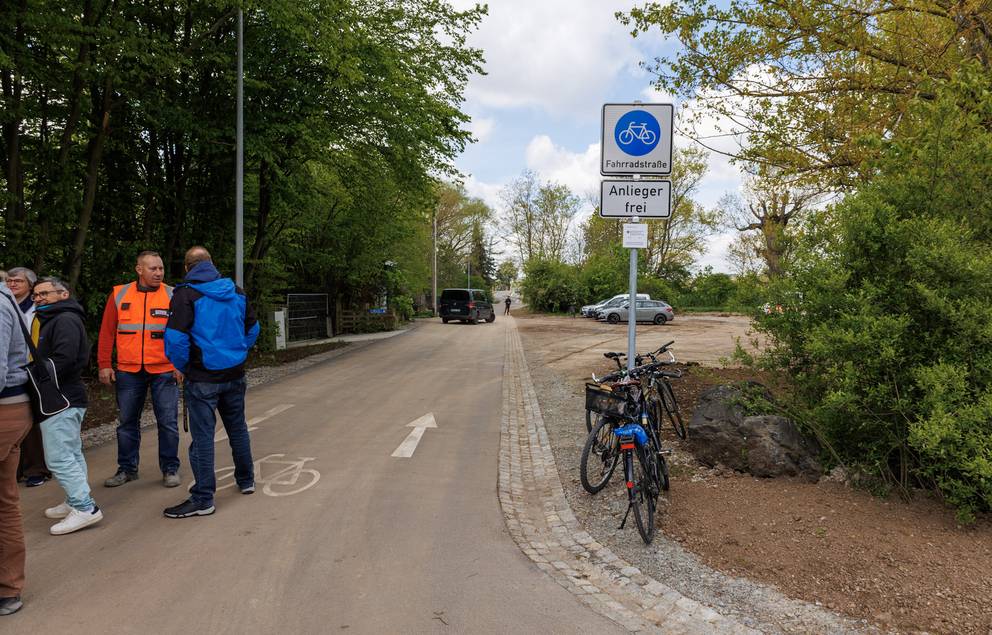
(364, 322)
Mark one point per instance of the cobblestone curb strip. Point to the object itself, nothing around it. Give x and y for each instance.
(542, 524)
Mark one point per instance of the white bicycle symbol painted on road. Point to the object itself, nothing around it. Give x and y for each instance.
(276, 475)
(637, 131)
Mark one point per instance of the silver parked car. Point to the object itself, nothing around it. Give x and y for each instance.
(597, 310)
(647, 311)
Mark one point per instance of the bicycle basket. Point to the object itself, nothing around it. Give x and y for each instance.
(605, 402)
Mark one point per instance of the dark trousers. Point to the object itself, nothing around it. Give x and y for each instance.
(132, 388)
(32, 455)
(228, 399)
(507, 311)
(15, 421)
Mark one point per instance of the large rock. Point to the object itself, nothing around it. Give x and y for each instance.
(765, 445)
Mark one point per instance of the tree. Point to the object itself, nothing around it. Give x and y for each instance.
(811, 87)
(118, 136)
(766, 217)
(538, 217)
(461, 222)
(675, 242)
(506, 274)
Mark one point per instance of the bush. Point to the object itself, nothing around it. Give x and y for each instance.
(658, 289)
(888, 337)
(551, 286)
(603, 276)
(402, 306)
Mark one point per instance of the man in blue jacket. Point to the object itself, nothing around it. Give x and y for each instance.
(210, 329)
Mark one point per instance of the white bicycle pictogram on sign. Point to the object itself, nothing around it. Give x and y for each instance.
(276, 475)
(637, 131)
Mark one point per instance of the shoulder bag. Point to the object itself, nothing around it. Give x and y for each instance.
(42, 375)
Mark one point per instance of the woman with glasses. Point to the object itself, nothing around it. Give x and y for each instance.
(32, 468)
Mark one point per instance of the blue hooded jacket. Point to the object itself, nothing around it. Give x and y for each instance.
(211, 326)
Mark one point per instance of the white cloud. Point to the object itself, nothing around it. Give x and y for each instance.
(481, 128)
(558, 55)
(652, 95)
(488, 192)
(578, 171)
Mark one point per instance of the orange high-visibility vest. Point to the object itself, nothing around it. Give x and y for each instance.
(141, 319)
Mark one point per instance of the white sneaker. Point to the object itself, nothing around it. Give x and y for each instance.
(76, 520)
(59, 511)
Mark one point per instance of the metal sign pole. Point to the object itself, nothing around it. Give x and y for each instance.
(632, 309)
(239, 179)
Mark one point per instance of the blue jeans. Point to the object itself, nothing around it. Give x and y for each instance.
(228, 398)
(60, 435)
(131, 391)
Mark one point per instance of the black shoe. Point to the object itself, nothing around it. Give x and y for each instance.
(35, 481)
(10, 605)
(188, 508)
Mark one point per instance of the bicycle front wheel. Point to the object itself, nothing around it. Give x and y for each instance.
(671, 408)
(644, 494)
(600, 456)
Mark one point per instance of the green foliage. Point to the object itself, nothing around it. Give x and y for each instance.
(708, 289)
(402, 306)
(604, 275)
(550, 285)
(657, 288)
(506, 274)
(887, 327)
(118, 136)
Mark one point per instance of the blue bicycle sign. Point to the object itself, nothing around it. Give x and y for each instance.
(637, 133)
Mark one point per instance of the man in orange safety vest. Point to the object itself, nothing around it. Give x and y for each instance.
(134, 323)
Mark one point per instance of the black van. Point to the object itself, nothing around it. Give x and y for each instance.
(467, 305)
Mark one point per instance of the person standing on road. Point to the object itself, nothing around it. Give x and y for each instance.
(210, 329)
(15, 421)
(34, 471)
(506, 311)
(134, 322)
(62, 339)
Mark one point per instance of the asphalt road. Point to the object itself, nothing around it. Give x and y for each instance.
(375, 544)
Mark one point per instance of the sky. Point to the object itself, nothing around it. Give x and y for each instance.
(551, 65)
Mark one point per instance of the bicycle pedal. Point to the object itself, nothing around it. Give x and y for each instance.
(666, 452)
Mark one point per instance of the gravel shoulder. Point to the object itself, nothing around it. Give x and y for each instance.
(745, 546)
(756, 606)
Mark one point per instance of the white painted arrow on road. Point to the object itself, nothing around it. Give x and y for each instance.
(409, 444)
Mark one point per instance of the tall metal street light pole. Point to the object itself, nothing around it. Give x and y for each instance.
(434, 268)
(239, 179)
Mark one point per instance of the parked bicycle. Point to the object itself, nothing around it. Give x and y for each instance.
(629, 407)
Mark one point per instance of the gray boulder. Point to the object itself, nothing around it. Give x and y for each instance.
(765, 445)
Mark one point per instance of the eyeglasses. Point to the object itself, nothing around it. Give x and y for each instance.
(16, 281)
(38, 295)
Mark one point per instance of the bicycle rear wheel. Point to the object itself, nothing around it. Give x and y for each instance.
(644, 494)
(600, 456)
(671, 408)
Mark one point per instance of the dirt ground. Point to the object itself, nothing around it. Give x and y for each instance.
(903, 566)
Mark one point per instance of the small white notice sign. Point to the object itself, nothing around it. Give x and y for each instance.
(635, 236)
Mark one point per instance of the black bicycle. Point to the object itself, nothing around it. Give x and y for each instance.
(660, 393)
(633, 438)
(600, 452)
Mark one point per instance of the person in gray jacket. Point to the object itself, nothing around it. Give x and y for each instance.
(15, 421)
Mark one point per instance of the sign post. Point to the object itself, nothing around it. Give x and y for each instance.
(636, 140)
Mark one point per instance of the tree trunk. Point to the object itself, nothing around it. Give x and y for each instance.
(89, 197)
(260, 247)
